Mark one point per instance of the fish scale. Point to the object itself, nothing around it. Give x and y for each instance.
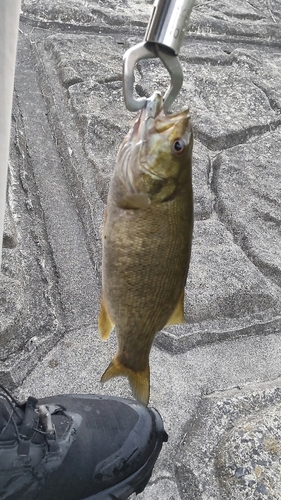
(146, 241)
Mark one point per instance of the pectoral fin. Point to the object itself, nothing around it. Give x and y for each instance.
(177, 317)
(134, 201)
(139, 381)
(105, 322)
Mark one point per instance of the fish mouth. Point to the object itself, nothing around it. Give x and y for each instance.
(153, 106)
(152, 121)
(144, 125)
(146, 120)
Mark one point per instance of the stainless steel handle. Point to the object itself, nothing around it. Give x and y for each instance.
(163, 39)
(167, 23)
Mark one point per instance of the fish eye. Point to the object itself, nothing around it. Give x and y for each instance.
(179, 146)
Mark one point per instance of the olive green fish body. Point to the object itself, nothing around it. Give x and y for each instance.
(146, 251)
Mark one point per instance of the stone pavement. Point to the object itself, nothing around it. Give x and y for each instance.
(217, 379)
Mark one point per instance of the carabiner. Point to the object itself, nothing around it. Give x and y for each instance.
(147, 50)
(163, 39)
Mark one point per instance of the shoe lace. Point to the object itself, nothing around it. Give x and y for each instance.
(13, 403)
(44, 416)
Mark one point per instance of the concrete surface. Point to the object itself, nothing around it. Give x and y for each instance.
(217, 379)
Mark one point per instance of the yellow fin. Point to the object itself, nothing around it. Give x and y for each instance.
(177, 317)
(105, 322)
(140, 385)
(139, 381)
(135, 200)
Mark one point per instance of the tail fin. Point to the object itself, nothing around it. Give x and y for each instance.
(139, 381)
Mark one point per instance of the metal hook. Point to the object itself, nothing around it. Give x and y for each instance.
(148, 50)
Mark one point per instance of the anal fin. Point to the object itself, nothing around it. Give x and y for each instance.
(177, 317)
(105, 322)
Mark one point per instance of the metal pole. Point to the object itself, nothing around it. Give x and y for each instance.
(168, 22)
(9, 21)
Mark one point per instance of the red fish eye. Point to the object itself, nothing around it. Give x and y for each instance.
(179, 147)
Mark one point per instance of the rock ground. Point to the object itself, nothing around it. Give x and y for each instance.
(216, 379)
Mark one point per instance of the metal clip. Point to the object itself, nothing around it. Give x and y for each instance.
(147, 50)
(45, 419)
(163, 39)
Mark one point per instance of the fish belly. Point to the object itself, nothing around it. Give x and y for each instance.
(146, 255)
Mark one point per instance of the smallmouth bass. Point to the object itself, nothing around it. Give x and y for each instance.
(147, 239)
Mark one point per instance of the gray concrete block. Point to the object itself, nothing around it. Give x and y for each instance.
(237, 454)
(251, 208)
(215, 379)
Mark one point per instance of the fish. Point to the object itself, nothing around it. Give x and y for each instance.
(147, 239)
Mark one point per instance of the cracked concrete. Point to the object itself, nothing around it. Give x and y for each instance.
(216, 379)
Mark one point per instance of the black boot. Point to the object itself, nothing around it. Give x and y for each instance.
(76, 447)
